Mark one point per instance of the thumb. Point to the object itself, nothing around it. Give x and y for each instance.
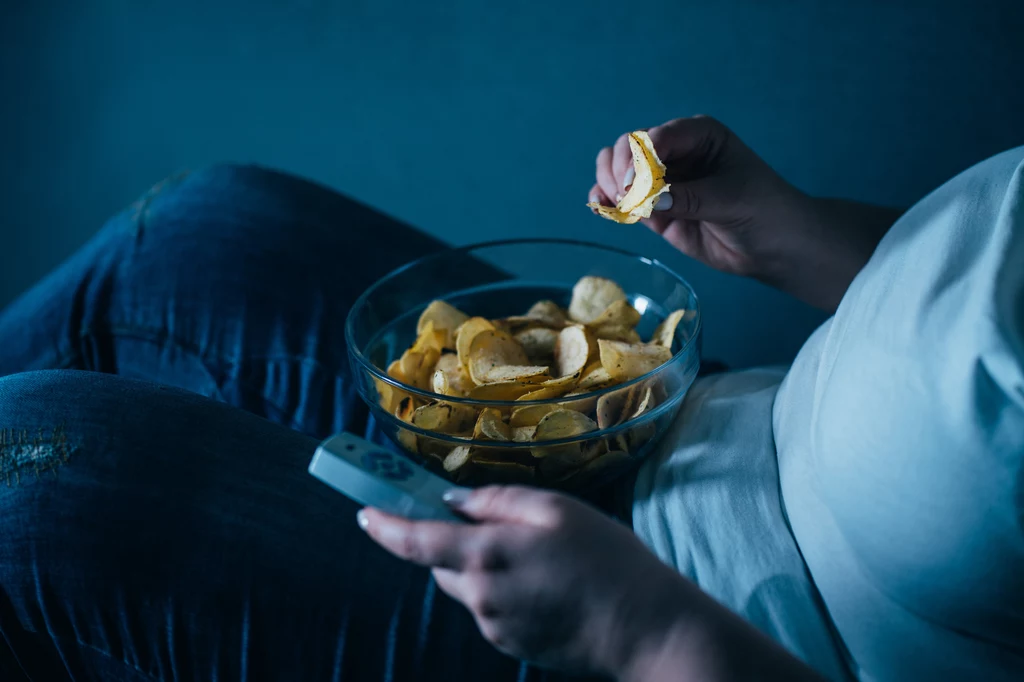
(693, 200)
(509, 504)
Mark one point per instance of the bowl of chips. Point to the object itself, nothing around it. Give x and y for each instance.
(549, 362)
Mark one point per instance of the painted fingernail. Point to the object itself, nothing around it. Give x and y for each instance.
(628, 179)
(361, 519)
(456, 497)
(664, 202)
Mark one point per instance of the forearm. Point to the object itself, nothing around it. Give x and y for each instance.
(711, 644)
(832, 240)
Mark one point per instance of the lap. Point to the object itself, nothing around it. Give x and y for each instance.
(156, 533)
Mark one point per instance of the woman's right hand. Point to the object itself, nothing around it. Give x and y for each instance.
(730, 210)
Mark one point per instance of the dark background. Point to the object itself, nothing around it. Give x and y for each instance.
(405, 104)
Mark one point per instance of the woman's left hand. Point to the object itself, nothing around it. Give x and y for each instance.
(547, 578)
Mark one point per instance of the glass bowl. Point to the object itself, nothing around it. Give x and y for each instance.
(502, 279)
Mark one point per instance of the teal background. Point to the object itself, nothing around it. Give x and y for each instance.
(484, 118)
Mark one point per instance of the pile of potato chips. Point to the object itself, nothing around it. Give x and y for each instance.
(548, 353)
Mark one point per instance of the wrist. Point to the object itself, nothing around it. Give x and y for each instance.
(686, 649)
(822, 244)
(674, 632)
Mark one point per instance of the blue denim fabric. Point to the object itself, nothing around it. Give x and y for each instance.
(158, 520)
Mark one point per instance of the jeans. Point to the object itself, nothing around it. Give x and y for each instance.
(161, 394)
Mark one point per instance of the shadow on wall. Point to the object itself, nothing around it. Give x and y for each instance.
(504, 107)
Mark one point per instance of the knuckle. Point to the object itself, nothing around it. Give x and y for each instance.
(603, 155)
(492, 556)
(688, 201)
(410, 547)
(556, 509)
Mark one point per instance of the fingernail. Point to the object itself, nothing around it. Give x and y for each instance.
(630, 176)
(664, 202)
(361, 519)
(456, 497)
(618, 198)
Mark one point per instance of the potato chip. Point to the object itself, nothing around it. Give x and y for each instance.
(548, 313)
(595, 376)
(507, 390)
(613, 213)
(450, 418)
(646, 403)
(430, 339)
(665, 332)
(433, 447)
(625, 361)
(406, 408)
(443, 317)
(545, 392)
(610, 332)
(567, 461)
(523, 434)
(466, 333)
(418, 368)
(579, 400)
(521, 373)
(495, 357)
(572, 350)
(563, 423)
(648, 183)
(649, 180)
(407, 439)
(530, 415)
(439, 383)
(458, 379)
(591, 296)
(641, 433)
(618, 314)
(489, 426)
(611, 407)
(387, 395)
(395, 371)
(539, 344)
(457, 458)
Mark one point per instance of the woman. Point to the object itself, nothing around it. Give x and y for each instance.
(153, 533)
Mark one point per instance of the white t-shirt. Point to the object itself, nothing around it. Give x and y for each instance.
(895, 550)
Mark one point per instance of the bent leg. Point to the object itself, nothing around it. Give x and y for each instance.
(233, 282)
(153, 534)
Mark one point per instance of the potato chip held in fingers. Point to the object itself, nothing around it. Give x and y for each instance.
(647, 187)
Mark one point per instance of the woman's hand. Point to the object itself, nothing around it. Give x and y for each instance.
(730, 210)
(553, 581)
(548, 579)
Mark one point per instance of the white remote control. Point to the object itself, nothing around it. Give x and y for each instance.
(377, 478)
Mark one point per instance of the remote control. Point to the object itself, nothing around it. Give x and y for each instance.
(377, 478)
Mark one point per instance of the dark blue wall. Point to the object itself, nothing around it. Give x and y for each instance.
(878, 100)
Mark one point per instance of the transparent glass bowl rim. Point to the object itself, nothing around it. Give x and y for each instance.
(357, 352)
